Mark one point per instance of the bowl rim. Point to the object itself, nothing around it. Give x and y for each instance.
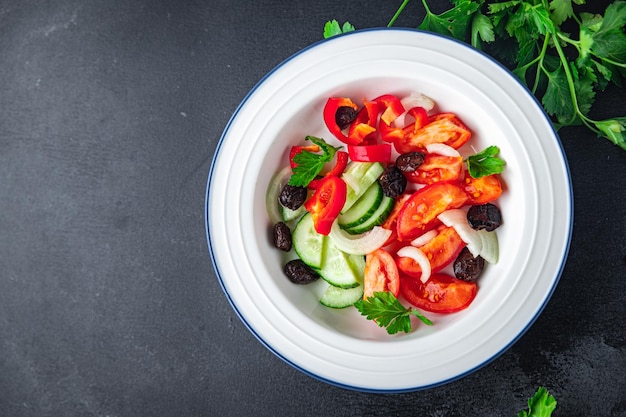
(471, 370)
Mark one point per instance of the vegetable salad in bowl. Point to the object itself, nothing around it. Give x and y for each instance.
(388, 210)
(395, 215)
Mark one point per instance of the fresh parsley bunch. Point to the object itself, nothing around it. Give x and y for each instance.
(563, 68)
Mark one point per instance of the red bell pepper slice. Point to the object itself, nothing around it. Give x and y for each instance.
(326, 203)
(297, 149)
(390, 106)
(340, 166)
(330, 111)
(364, 124)
(370, 153)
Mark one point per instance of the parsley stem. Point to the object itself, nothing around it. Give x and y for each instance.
(395, 16)
(570, 81)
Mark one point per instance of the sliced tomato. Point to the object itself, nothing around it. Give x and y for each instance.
(482, 190)
(444, 128)
(437, 168)
(419, 213)
(381, 274)
(326, 203)
(442, 293)
(390, 222)
(440, 251)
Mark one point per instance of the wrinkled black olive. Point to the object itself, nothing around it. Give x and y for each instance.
(344, 116)
(300, 273)
(409, 162)
(393, 181)
(282, 236)
(292, 197)
(466, 267)
(485, 216)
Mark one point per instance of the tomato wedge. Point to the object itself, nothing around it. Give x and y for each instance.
(442, 293)
(392, 219)
(381, 274)
(440, 251)
(437, 168)
(444, 128)
(326, 203)
(419, 213)
(482, 190)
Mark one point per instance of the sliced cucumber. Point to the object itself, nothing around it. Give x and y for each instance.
(289, 214)
(340, 269)
(364, 207)
(307, 243)
(376, 218)
(359, 176)
(335, 297)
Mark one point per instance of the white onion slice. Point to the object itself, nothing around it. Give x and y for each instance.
(457, 218)
(418, 256)
(490, 251)
(414, 99)
(442, 149)
(273, 191)
(361, 244)
(424, 239)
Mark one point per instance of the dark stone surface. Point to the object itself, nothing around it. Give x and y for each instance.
(110, 112)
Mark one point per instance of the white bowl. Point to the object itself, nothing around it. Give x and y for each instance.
(339, 346)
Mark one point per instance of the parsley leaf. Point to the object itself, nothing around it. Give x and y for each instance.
(332, 28)
(485, 163)
(385, 309)
(542, 404)
(310, 164)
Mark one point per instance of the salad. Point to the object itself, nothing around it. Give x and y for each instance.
(397, 220)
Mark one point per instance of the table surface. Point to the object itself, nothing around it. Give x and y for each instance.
(109, 305)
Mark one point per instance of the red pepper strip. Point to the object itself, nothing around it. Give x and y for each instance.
(421, 117)
(370, 153)
(390, 106)
(330, 110)
(388, 133)
(326, 203)
(297, 149)
(364, 124)
(340, 166)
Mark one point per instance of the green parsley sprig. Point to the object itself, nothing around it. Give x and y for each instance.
(310, 164)
(563, 68)
(385, 309)
(542, 404)
(485, 162)
(332, 28)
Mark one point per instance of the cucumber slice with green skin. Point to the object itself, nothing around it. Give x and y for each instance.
(289, 214)
(307, 243)
(340, 269)
(359, 176)
(364, 207)
(335, 297)
(377, 218)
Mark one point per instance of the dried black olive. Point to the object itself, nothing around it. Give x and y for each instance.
(300, 273)
(344, 116)
(485, 216)
(467, 267)
(282, 236)
(409, 162)
(292, 196)
(393, 181)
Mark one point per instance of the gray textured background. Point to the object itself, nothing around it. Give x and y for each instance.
(110, 112)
